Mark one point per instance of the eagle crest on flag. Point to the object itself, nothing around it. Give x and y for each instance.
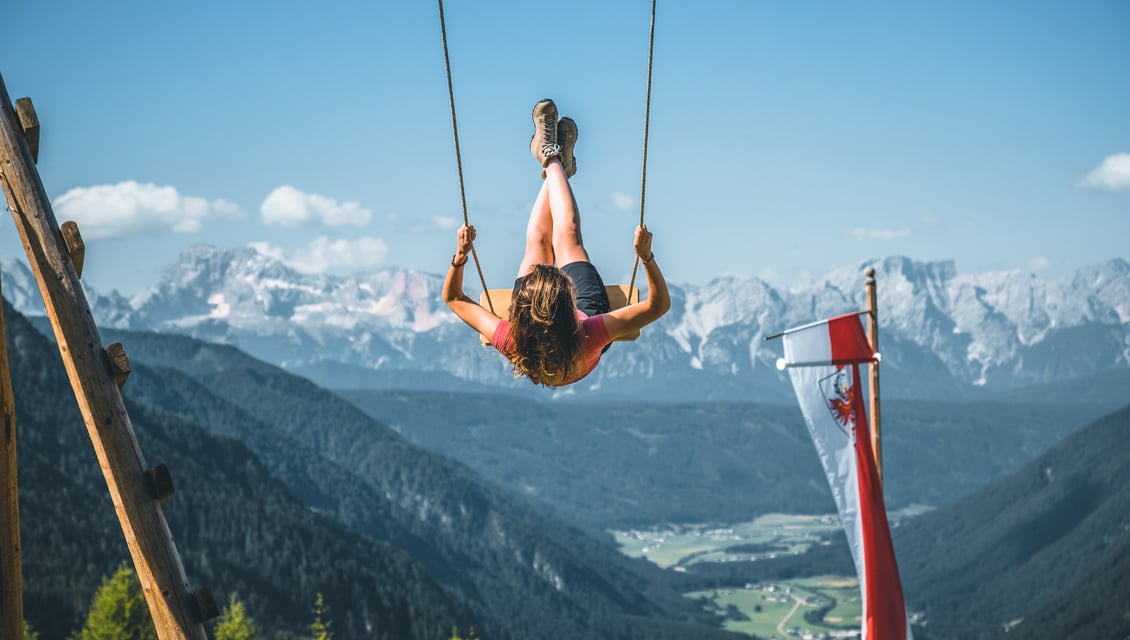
(838, 394)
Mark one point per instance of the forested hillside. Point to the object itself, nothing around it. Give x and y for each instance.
(1097, 605)
(629, 464)
(238, 529)
(524, 574)
(285, 490)
(1034, 545)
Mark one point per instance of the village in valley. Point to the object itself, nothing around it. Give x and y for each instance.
(677, 546)
(812, 609)
(816, 608)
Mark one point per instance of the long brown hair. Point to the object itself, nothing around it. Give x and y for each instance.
(547, 335)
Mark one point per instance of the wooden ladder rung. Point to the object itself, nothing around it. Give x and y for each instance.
(206, 607)
(119, 363)
(76, 248)
(161, 483)
(29, 124)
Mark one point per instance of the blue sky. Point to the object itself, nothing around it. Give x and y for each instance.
(786, 138)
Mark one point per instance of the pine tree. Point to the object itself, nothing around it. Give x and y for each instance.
(470, 634)
(320, 627)
(119, 611)
(234, 623)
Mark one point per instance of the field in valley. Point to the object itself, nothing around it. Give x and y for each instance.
(765, 609)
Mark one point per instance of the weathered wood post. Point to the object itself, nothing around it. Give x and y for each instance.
(176, 612)
(873, 337)
(11, 571)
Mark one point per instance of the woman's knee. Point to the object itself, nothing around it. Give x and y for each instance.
(539, 236)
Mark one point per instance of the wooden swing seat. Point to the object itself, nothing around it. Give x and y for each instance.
(617, 296)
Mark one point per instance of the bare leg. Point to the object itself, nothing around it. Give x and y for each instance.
(539, 233)
(567, 244)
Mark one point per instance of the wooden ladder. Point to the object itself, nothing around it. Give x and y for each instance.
(96, 375)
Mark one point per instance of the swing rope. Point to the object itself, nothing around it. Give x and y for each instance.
(646, 125)
(458, 155)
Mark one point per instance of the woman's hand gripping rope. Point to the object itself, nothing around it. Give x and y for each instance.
(464, 244)
(642, 244)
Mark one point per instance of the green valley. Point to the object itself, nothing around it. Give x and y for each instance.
(786, 609)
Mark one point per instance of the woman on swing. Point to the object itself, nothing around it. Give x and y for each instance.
(560, 318)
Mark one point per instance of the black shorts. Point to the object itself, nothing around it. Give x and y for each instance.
(592, 298)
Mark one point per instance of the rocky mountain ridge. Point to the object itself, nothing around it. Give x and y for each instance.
(942, 334)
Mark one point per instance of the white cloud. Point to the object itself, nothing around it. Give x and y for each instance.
(622, 201)
(859, 233)
(1113, 174)
(323, 255)
(125, 208)
(1038, 263)
(445, 222)
(289, 207)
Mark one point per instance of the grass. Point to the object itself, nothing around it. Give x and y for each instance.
(676, 546)
(679, 545)
(764, 623)
(685, 544)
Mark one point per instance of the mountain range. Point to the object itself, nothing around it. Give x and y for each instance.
(942, 335)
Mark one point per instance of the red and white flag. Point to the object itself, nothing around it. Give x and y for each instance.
(823, 361)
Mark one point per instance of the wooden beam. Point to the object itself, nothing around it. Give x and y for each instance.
(873, 337)
(29, 124)
(146, 532)
(11, 558)
(76, 248)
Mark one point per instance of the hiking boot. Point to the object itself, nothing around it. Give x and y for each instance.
(567, 138)
(544, 143)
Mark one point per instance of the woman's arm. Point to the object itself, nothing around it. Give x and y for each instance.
(632, 318)
(467, 309)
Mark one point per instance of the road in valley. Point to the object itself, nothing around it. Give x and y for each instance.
(781, 624)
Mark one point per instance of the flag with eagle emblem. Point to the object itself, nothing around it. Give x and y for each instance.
(823, 361)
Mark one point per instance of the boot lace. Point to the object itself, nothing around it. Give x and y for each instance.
(549, 147)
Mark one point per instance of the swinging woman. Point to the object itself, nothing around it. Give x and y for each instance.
(560, 317)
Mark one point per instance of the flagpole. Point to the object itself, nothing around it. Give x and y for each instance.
(873, 337)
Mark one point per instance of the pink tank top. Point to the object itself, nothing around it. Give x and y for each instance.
(595, 338)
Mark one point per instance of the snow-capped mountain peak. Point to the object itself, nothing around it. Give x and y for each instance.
(938, 329)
